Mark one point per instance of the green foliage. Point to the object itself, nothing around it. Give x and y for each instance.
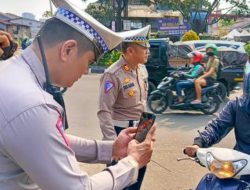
(47, 14)
(190, 35)
(109, 58)
(247, 48)
(226, 22)
(193, 8)
(101, 12)
(240, 7)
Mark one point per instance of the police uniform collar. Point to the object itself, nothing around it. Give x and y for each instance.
(35, 64)
(126, 66)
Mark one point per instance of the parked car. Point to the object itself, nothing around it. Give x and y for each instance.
(166, 58)
(195, 44)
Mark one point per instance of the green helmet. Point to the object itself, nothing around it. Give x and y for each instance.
(214, 47)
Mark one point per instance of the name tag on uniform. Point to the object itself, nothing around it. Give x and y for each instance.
(128, 85)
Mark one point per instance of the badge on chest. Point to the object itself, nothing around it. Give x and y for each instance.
(129, 85)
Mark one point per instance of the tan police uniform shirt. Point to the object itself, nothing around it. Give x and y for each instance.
(123, 95)
(35, 153)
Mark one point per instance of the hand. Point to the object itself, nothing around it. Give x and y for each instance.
(142, 152)
(191, 150)
(120, 146)
(5, 39)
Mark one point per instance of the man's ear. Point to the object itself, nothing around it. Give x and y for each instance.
(130, 50)
(68, 49)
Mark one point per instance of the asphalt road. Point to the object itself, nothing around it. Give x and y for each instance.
(176, 129)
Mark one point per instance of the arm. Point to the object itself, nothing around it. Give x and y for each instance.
(34, 143)
(218, 128)
(109, 90)
(94, 151)
(212, 69)
(195, 72)
(207, 74)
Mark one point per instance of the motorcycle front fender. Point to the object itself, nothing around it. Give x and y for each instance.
(211, 182)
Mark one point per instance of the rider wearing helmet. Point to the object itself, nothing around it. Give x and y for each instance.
(235, 115)
(210, 75)
(197, 70)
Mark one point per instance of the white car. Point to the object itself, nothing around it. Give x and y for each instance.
(199, 44)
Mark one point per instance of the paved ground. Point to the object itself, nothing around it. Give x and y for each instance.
(176, 129)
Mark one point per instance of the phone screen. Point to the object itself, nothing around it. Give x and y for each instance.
(145, 124)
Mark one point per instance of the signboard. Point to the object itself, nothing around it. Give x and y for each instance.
(172, 26)
(126, 25)
(136, 24)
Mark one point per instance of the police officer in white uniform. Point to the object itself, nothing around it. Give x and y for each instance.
(35, 152)
(124, 88)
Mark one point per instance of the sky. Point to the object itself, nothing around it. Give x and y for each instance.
(36, 7)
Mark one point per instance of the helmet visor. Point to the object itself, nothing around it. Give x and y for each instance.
(247, 80)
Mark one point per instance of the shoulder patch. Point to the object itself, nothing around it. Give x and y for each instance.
(108, 86)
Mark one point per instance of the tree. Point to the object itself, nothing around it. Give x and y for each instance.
(102, 13)
(109, 9)
(190, 35)
(247, 48)
(193, 10)
(47, 14)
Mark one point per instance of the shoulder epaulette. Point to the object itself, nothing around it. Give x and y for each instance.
(114, 67)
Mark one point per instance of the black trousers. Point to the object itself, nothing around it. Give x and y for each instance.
(137, 185)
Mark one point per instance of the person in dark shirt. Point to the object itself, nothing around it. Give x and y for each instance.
(235, 115)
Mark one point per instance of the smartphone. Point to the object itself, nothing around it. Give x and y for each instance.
(146, 122)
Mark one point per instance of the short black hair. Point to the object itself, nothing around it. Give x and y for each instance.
(126, 45)
(55, 31)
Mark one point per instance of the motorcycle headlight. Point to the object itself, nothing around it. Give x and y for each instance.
(224, 169)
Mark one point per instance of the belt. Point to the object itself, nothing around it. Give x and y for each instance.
(126, 124)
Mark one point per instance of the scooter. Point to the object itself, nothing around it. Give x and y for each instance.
(226, 166)
(164, 96)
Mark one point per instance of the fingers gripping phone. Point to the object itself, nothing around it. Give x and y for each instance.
(146, 122)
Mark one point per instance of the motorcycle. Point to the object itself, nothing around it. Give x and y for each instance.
(226, 167)
(164, 96)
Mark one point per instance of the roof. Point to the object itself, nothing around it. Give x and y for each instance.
(23, 18)
(8, 16)
(245, 23)
(12, 16)
(6, 22)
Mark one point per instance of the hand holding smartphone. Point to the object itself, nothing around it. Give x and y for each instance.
(146, 122)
